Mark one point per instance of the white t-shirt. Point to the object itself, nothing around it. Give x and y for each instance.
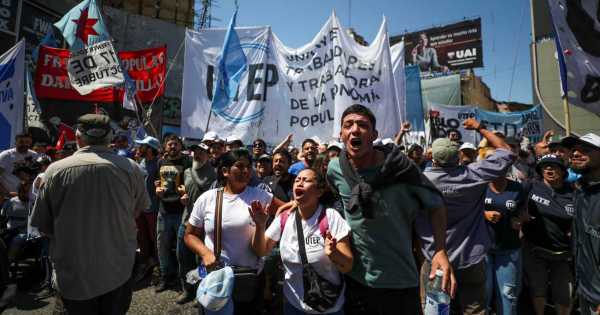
(237, 225)
(7, 161)
(315, 253)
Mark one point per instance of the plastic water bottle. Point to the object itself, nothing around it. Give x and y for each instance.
(196, 275)
(437, 302)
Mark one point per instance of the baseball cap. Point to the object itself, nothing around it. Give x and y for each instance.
(445, 152)
(413, 147)
(467, 145)
(214, 291)
(550, 159)
(335, 144)
(201, 146)
(150, 141)
(264, 157)
(234, 139)
(94, 125)
(211, 137)
(387, 141)
(589, 139)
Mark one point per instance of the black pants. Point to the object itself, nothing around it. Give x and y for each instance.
(4, 266)
(115, 302)
(362, 300)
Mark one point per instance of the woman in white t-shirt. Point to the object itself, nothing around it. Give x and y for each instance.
(328, 255)
(234, 169)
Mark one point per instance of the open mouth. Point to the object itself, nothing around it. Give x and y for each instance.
(298, 193)
(355, 143)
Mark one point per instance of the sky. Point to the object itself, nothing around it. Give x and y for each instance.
(506, 28)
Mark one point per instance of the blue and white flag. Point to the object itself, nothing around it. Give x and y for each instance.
(83, 25)
(231, 65)
(575, 24)
(12, 69)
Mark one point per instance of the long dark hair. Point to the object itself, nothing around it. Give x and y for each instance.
(228, 159)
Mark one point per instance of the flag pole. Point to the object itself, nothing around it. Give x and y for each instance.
(567, 114)
(209, 115)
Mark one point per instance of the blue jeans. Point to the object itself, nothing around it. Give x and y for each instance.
(288, 309)
(167, 225)
(186, 259)
(503, 279)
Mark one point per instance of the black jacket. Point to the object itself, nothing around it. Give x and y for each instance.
(586, 238)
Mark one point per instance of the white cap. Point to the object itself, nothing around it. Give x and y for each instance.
(387, 141)
(589, 139)
(211, 136)
(377, 141)
(335, 144)
(467, 145)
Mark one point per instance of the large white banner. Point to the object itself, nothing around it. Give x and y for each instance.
(11, 94)
(94, 67)
(284, 90)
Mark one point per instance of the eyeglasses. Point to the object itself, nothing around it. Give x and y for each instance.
(258, 145)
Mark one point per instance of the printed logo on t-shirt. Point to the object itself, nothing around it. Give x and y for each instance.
(510, 205)
(488, 201)
(540, 200)
(570, 209)
(449, 191)
(312, 241)
(170, 179)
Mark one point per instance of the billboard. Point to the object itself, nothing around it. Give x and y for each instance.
(445, 48)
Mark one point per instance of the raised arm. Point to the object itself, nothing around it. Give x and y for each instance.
(261, 245)
(403, 131)
(284, 144)
(493, 139)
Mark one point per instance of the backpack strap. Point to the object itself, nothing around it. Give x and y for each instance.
(323, 222)
(283, 219)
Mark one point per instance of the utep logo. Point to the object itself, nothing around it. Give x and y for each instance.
(256, 75)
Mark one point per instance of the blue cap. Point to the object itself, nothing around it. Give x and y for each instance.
(150, 141)
(214, 291)
(550, 159)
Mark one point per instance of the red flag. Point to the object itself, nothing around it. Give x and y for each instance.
(146, 67)
(66, 134)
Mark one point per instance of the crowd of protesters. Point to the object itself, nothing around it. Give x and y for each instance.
(375, 219)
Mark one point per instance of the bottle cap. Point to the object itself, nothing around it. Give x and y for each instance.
(439, 272)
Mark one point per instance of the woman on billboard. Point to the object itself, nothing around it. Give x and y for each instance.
(426, 56)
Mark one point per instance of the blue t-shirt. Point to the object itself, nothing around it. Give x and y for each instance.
(296, 168)
(510, 203)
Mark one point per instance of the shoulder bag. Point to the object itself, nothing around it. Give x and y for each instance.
(319, 293)
(246, 279)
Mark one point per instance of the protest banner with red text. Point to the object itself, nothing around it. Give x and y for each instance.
(146, 67)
